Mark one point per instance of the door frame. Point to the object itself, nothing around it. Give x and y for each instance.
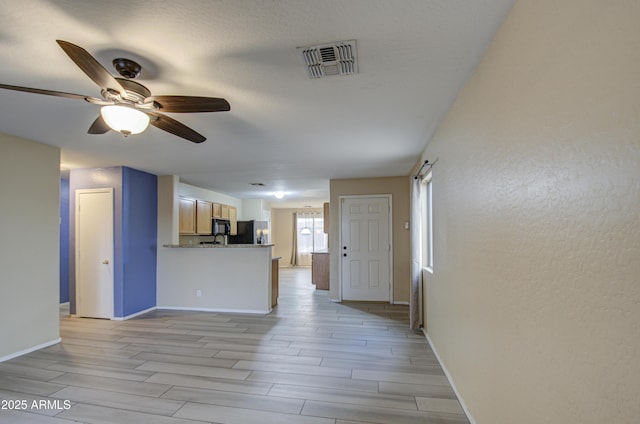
(78, 288)
(341, 200)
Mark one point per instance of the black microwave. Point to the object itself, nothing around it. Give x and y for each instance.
(221, 226)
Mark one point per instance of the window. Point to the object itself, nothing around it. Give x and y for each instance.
(310, 237)
(427, 222)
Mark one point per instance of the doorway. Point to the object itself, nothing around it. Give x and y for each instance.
(94, 253)
(365, 248)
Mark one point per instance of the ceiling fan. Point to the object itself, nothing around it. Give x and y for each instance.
(127, 106)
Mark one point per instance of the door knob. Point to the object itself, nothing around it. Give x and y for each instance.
(106, 262)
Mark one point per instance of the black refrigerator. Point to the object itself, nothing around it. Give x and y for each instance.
(251, 232)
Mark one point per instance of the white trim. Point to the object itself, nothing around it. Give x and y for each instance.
(31, 349)
(226, 311)
(64, 304)
(153, 308)
(341, 199)
(400, 302)
(448, 375)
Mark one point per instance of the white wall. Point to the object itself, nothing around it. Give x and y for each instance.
(188, 190)
(229, 279)
(534, 304)
(253, 209)
(29, 252)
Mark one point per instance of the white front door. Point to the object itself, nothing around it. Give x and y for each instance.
(94, 253)
(365, 250)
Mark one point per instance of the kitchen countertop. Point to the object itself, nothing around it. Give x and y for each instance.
(217, 246)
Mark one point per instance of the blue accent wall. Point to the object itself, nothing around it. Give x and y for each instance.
(135, 234)
(139, 240)
(64, 238)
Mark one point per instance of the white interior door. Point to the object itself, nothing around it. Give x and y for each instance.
(365, 248)
(94, 253)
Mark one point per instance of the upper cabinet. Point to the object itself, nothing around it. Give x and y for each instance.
(187, 215)
(203, 217)
(194, 216)
(224, 211)
(216, 212)
(233, 219)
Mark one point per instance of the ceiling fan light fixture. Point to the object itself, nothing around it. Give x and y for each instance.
(124, 119)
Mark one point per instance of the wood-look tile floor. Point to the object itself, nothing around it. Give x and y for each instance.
(311, 361)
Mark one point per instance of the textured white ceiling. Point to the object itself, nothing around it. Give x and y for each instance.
(287, 131)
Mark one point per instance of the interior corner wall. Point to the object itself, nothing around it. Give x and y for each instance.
(110, 177)
(135, 234)
(64, 237)
(282, 235)
(168, 213)
(398, 187)
(139, 240)
(29, 252)
(534, 304)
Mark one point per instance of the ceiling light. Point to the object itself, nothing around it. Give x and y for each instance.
(278, 195)
(124, 119)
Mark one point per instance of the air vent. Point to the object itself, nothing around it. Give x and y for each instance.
(338, 58)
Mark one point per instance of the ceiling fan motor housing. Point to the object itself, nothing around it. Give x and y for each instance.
(127, 67)
(134, 92)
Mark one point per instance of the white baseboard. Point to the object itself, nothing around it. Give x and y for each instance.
(31, 349)
(453, 386)
(400, 302)
(226, 311)
(153, 308)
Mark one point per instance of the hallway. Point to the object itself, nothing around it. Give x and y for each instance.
(310, 361)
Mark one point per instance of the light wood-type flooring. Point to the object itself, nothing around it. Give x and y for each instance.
(311, 361)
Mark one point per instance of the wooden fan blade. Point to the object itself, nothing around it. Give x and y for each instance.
(189, 104)
(99, 126)
(91, 67)
(51, 93)
(168, 124)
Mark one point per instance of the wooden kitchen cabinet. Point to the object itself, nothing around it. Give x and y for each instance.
(233, 219)
(194, 216)
(320, 270)
(215, 211)
(187, 216)
(275, 284)
(224, 211)
(203, 217)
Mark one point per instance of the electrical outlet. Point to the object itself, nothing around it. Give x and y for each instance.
(198, 293)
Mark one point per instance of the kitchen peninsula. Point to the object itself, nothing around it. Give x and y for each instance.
(216, 277)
